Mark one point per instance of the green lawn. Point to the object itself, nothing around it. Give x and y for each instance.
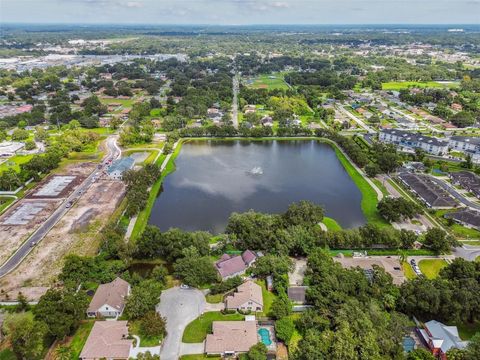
(331, 224)
(270, 82)
(431, 267)
(4, 202)
(214, 299)
(408, 271)
(80, 337)
(466, 330)
(145, 341)
(7, 354)
(14, 162)
(268, 297)
(399, 85)
(197, 330)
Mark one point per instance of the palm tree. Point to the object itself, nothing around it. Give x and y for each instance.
(63, 353)
(402, 256)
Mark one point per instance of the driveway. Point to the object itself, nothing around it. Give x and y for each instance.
(192, 349)
(296, 276)
(467, 252)
(179, 307)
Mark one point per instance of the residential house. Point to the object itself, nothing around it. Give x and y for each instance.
(229, 266)
(248, 297)
(466, 144)
(410, 141)
(116, 170)
(109, 299)
(467, 180)
(107, 340)
(230, 338)
(440, 338)
(468, 218)
(297, 294)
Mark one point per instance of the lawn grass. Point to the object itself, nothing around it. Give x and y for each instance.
(467, 330)
(80, 337)
(408, 271)
(399, 85)
(4, 202)
(268, 297)
(14, 162)
(265, 82)
(7, 354)
(145, 341)
(214, 299)
(197, 330)
(431, 267)
(331, 224)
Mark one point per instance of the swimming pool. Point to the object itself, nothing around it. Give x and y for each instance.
(265, 336)
(408, 344)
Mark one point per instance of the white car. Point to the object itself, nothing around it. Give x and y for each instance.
(184, 286)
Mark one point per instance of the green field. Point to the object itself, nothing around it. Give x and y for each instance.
(431, 267)
(80, 337)
(268, 297)
(399, 85)
(197, 330)
(269, 82)
(408, 271)
(14, 162)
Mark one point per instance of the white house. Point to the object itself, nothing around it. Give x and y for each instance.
(248, 297)
(109, 299)
(410, 141)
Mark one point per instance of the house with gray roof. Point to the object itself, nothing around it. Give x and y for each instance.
(116, 170)
(440, 338)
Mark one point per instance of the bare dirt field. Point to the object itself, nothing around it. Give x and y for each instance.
(76, 233)
(20, 221)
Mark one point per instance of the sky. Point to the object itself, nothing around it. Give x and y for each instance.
(241, 12)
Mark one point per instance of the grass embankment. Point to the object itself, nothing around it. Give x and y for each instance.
(408, 271)
(144, 215)
(80, 337)
(431, 267)
(197, 330)
(399, 85)
(369, 195)
(331, 224)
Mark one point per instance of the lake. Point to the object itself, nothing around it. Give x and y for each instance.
(215, 178)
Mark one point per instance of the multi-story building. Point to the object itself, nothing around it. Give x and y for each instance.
(410, 141)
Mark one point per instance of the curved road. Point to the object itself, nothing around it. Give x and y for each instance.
(15, 260)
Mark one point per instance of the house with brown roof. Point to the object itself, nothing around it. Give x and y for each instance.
(109, 299)
(248, 297)
(107, 340)
(229, 338)
(229, 266)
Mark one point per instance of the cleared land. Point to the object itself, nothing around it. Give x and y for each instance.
(76, 233)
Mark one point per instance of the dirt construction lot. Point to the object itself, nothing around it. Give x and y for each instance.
(76, 233)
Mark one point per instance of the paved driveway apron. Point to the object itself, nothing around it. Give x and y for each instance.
(179, 307)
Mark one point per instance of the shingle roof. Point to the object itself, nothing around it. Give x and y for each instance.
(230, 265)
(297, 294)
(414, 137)
(248, 291)
(431, 193)
(231, 336)
(467, 139)
(466, 216)
(108, 339)
(112, 293)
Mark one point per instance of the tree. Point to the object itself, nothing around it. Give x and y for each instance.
(194, 269)
(272, 265)
(372, 169)
(19, 134)
(420, 354)
(152, 325)
(26, 335)
(457, 354)
(463, 119)
(257, 352)
(30, 145)
(144, 297)
(439, 241)
(147, 356)
(63, 353)
(303, 213)
(281, 306)
(61, 310)
(284, 329)
(473, 347)
(395, 209)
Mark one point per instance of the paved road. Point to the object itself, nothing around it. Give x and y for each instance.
(467, 252)
(235, 85)
(179, 307)
(113, 153)
(452, 191)
(357, 120)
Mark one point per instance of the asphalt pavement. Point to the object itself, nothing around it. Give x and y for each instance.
(114, 152)
(179, 307)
